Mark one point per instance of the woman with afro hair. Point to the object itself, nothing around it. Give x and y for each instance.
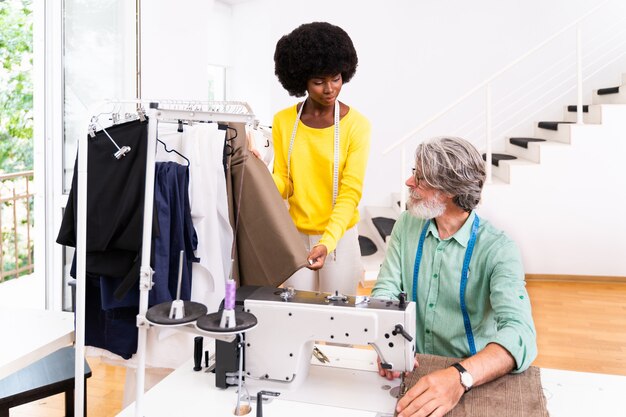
(321, 148)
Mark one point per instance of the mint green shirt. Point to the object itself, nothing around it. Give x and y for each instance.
(495, 296)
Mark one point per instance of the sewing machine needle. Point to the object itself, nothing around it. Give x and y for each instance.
(402, 386)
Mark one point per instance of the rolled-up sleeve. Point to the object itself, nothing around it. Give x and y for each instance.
(511, 304)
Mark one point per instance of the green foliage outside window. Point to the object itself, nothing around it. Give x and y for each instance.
(16, 133)
(16, 86)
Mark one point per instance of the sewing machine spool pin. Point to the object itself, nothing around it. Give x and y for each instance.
(287, 293)
(177, 310)
(337, 297)
(402, 299)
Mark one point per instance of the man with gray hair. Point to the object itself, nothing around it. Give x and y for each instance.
(465, 276)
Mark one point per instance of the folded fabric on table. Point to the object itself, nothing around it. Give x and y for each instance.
(513, 395)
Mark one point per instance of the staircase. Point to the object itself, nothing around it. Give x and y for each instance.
(374, 231)
(564, 187)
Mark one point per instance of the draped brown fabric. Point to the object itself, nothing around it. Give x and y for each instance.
(268, 247)
(512, 395)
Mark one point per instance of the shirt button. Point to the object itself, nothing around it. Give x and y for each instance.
(435, 275)
(431, 305)
(439, 249)
(428, 331)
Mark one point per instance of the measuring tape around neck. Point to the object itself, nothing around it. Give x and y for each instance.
(335, 150)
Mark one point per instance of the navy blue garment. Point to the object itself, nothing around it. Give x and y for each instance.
(113, 329)
(171, 202)
(176, 233)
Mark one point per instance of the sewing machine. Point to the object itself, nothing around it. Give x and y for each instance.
(278, 351)
(349, 385)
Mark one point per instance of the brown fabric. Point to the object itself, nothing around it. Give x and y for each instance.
(268, 246)
(513, 395)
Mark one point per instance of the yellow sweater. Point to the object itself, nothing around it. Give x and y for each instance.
(310, 191)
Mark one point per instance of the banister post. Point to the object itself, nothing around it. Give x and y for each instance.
(488, 133)
(579, 75)
(402, 174)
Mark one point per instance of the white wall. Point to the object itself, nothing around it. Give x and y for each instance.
(179, 39)
(414, 58)
(566, 213)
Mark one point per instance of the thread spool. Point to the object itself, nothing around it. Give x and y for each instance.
(229, 299)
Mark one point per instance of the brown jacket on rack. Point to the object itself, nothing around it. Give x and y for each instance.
(268, 247)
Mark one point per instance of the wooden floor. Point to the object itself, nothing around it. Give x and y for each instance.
(580, 327)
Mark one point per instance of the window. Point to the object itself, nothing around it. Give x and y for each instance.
(99, 63)
(216, 83)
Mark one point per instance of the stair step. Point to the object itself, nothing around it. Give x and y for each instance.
(551, 125)
(497, 157)
(367, 245)
(610, 90)
(371, 257)
(574, 108)
(523, 142)
(383, 225)
(398, 205)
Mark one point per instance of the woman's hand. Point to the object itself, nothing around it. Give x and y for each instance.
(255, 152)
(251, 144)
(317, 257)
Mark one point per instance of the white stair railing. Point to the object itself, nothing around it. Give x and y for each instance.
(487, 85)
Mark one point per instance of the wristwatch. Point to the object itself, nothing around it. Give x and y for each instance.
(466, 378)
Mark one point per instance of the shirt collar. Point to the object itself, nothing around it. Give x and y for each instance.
(462, 235)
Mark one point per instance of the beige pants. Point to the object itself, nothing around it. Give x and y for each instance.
(341, 272)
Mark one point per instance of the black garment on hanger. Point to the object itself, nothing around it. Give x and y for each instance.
(115, 200)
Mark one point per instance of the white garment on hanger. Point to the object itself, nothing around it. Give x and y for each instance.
(203, 145)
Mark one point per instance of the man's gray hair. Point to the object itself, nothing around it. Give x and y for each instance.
(454, 166)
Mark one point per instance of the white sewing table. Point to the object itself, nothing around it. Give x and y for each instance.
(30, 334)
(350, 387)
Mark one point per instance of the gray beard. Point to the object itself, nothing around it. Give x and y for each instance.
(425, 209)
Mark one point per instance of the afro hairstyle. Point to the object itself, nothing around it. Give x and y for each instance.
(312, 50)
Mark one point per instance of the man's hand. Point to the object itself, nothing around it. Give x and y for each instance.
(391, 375)
(317, 257)
(433, 395)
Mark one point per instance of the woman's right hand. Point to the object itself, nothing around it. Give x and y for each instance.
(317, 257)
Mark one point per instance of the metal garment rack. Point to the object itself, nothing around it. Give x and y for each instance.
(164, 111)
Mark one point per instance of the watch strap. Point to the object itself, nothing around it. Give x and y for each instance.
(462, 370)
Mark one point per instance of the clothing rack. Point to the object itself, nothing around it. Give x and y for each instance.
(158, 110)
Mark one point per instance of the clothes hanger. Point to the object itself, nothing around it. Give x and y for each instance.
(121, 152)
(175, 151)
(229, 150)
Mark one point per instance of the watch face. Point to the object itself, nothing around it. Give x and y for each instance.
(467, 379)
